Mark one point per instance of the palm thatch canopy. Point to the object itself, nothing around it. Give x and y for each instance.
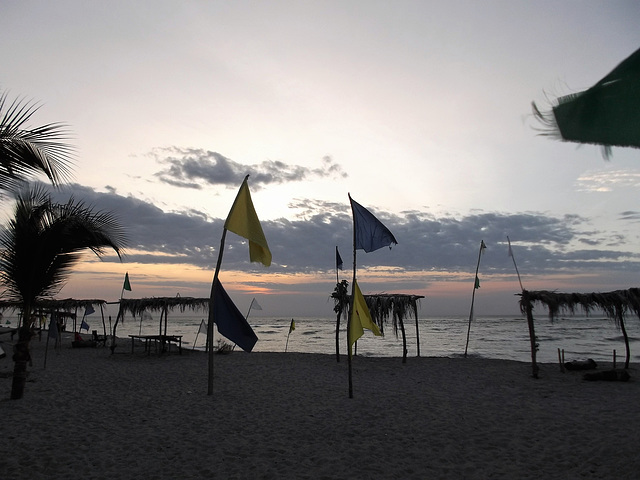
(67, 304)
(611, 303)
(136, 306)
(67, 307)
(398, 306)
(615, 305)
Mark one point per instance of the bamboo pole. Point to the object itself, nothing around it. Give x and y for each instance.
(514, 263)
(415, 314)
(532, 333)
(624, 334)
(560, 361)
(404, 339)
(473, 295)
(210, 318)
(351, 300)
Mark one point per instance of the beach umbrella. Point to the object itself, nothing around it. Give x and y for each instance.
(606, 114)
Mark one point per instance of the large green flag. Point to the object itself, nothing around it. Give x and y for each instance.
(606, 114)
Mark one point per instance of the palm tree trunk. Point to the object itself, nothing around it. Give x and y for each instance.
(626, 338)
(338, 337)
(21, 356)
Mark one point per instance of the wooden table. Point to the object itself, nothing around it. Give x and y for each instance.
(162, 339)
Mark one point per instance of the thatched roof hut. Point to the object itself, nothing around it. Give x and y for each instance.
(136, 306)
(398, 306)
(616, 305)
(67, 305)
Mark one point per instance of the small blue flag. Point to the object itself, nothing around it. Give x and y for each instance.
(338, 259)
(53, 329)
(84, 325)
(370, 233)
(231, 323)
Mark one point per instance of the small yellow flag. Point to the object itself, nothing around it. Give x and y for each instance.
(292, 327)
(360, 317)
(243, 221)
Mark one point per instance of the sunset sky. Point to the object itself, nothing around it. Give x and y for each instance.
(420, 110)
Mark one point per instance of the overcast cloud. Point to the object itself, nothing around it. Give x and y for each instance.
(542, 244)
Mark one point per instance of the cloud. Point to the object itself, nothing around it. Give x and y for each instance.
(542, 244)
(193, 167)
(607, 181)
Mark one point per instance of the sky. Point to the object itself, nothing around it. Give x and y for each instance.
(420, 110)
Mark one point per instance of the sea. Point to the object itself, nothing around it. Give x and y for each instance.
(500, 337)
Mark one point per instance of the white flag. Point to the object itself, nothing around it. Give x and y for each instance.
(255, 305)
(203, 327)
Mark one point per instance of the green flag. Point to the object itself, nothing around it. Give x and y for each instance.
(127, 285)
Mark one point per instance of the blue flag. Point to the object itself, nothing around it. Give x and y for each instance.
(338, 259)
(231, 323)
(84, 325)
(53, 329)
(370, 233)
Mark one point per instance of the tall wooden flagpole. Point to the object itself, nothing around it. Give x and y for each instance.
(473, 295)
(210, 318)
(353, 282)
(120, 314)
(243, 221)
(514, 263)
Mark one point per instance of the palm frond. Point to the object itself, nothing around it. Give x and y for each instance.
(26, 151)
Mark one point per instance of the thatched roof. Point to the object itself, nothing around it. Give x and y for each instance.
(138, 305)
(613, 304)
(396, 305)
(66, 304)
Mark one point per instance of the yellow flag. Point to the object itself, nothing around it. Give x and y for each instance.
(243, 221)
(360, 317)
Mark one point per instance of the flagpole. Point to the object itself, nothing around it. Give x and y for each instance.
(210, 318)
(473, 295)
(197, 333)
(514, 263)
(115, 325)
(353, 282)
(250, 305)
(194, 342)
(288, 335)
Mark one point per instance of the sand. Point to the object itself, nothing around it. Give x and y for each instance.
(90, 414)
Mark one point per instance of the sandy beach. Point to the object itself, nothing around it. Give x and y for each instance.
(91, 414)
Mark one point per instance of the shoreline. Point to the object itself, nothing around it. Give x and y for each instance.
(288, 415)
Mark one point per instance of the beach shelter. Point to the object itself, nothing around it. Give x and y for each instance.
(607, 114)
(138, 306)
(398, 306)
(616, 305)
(66, 307)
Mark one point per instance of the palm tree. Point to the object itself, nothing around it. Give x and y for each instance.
(26, 151)
(340, 297)
(40, 246)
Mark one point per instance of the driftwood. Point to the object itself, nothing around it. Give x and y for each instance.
(608, 376)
